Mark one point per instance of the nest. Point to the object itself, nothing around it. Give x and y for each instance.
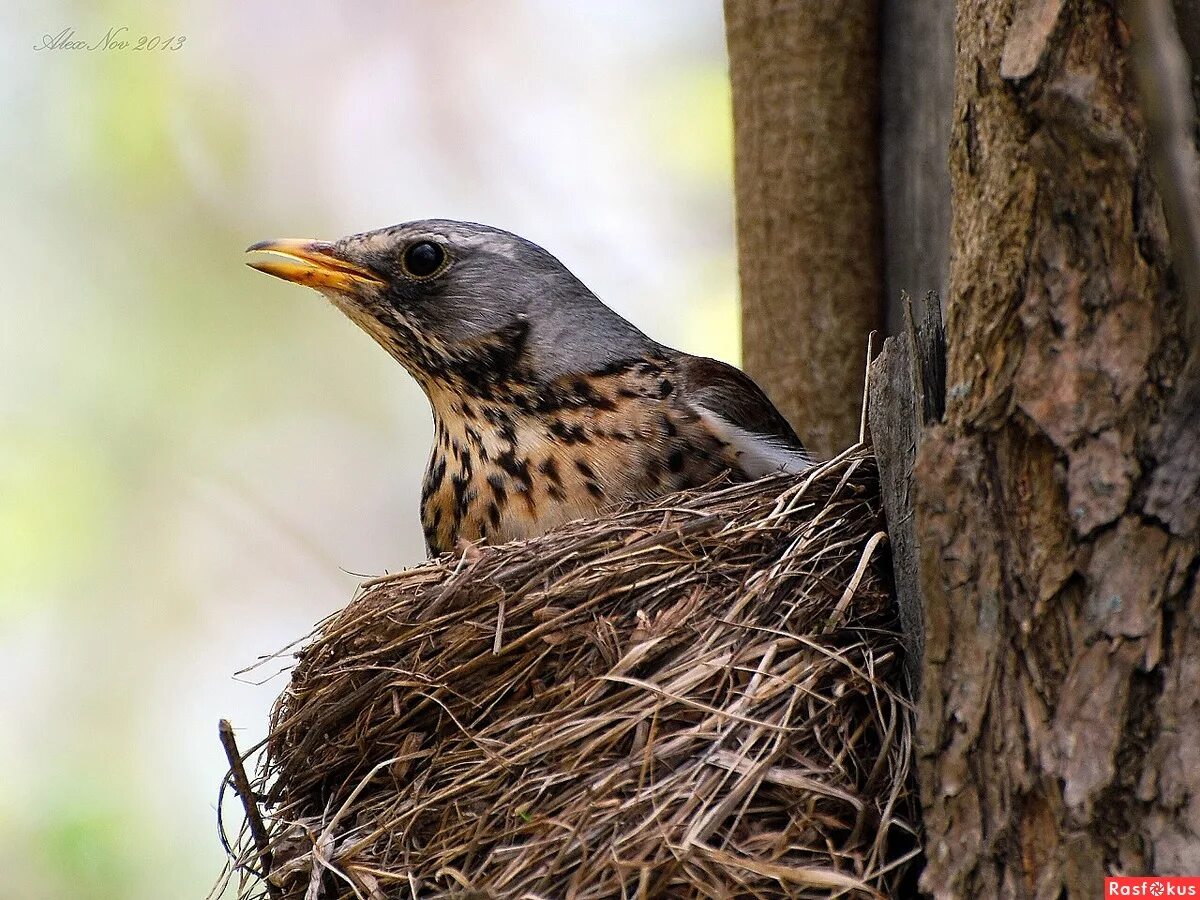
(696, 698)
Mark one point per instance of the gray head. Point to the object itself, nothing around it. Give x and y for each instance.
(438, 293)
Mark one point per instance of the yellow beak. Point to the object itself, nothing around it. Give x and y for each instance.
(312, 263)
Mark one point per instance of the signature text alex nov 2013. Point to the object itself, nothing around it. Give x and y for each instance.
(118, 37)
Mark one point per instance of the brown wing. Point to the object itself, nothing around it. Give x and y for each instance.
(729, 393)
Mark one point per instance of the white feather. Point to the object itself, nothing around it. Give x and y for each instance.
(757, 454)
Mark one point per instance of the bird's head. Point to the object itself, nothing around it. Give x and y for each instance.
(445, 298)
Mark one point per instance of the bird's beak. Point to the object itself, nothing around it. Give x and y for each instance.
(313, 263)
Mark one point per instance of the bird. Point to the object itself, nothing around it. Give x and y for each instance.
(548, 406)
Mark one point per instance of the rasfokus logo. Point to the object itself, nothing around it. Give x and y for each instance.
(1152, 886)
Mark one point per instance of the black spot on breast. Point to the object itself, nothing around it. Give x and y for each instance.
(665, 387)
(462, 496)
(502, 422)
(586, 395)
(594, 489)
(499, 491)
(467, 411)
(475, 439)
(628, 393)
(549, 468)
(616, 368)
(496, 415)
(494, 515)
(584, 469)
(568, 434)
(669, 427)
(437, 472)
(517, 468)
(555, 493)
(675, 460)
(482, 367)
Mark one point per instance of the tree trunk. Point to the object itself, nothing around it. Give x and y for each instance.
(1059, 719)
(916, 82)
(804, 103)
(1187, 14)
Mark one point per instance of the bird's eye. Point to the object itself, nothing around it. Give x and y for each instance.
(423, 259)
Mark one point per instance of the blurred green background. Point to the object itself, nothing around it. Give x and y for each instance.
(197, 462)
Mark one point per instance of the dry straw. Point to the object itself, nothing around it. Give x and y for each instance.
(695, 699)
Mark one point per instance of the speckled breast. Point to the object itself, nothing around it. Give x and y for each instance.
(516, 462)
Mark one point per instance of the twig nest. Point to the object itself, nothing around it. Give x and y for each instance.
(698, 698)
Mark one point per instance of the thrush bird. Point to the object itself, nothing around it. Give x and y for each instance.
(547, 405)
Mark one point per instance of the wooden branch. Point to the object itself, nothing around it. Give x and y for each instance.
(241, 787)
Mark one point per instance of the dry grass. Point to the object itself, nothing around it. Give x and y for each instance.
(698, 698)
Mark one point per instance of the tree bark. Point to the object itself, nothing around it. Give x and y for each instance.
(907, 394)
(1059, 719)
(805, 108)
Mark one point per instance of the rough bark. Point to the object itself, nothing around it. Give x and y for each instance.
(907, 394)
(916, 79)
(804, 107)
(1059, 720)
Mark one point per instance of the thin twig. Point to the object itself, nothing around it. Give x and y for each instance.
(241, 786)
